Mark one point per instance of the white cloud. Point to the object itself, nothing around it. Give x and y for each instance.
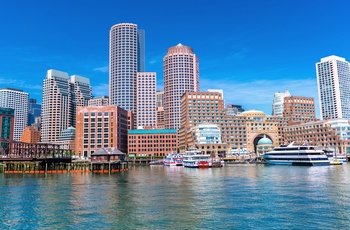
(18, 84)
(103, 69)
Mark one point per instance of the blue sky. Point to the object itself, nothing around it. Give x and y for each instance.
(250, 49)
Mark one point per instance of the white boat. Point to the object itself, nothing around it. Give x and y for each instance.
(335, 159)
(296, 155)
(196, 159)
(174, 159)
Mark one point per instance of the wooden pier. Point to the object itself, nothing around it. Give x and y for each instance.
(45, 158)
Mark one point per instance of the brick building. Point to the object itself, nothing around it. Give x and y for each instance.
(100, 127)
(31, 135)
(152, 142)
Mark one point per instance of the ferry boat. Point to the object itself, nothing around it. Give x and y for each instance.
(174, 159)
(296, 155)
(195, 159)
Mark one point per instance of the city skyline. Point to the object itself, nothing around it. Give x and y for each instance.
(250, 50)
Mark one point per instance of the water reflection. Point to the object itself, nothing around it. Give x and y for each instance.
(160, 197)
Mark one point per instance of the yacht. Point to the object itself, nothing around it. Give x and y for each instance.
(296, 155)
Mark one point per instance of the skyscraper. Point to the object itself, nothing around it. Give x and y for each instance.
(333, 82)
(181, 75)
(17, 100)
(34, 110)
(56, 105)
(146, 114)
(61, 96)
(126, 58)
(81, 92)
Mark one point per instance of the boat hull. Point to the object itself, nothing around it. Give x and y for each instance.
(298, 163)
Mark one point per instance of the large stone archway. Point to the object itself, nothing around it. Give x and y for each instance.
(257, 139)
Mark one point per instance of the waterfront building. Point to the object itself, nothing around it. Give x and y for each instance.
(99, 101)
(198, 108)
(326, 134)
(61, 96)
(208, 134)
(181, 75)
(240, 133)
(100, 127)
(31, 135)
(152, 142)
(333, 83)
(66, 140)
(257, 126)
(299, 109)
(278, 103)
(17, 100)
(34, 111)
(264, 145)
(126, 58)
(208, 139)
(7, 123)
(107, 155)
(146, 114)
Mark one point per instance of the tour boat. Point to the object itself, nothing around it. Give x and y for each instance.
(195, 159)
(174, 159)
(296, 155)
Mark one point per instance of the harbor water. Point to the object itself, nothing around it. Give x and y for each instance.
(158, 197)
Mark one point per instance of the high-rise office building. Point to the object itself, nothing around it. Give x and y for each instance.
(81, 92)
(61, 96)
(181, 75)
(333, 83)
(17, 100)
(126, 58)
(146, 114)
(56, 105)
(34, 110)
(278, 100)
